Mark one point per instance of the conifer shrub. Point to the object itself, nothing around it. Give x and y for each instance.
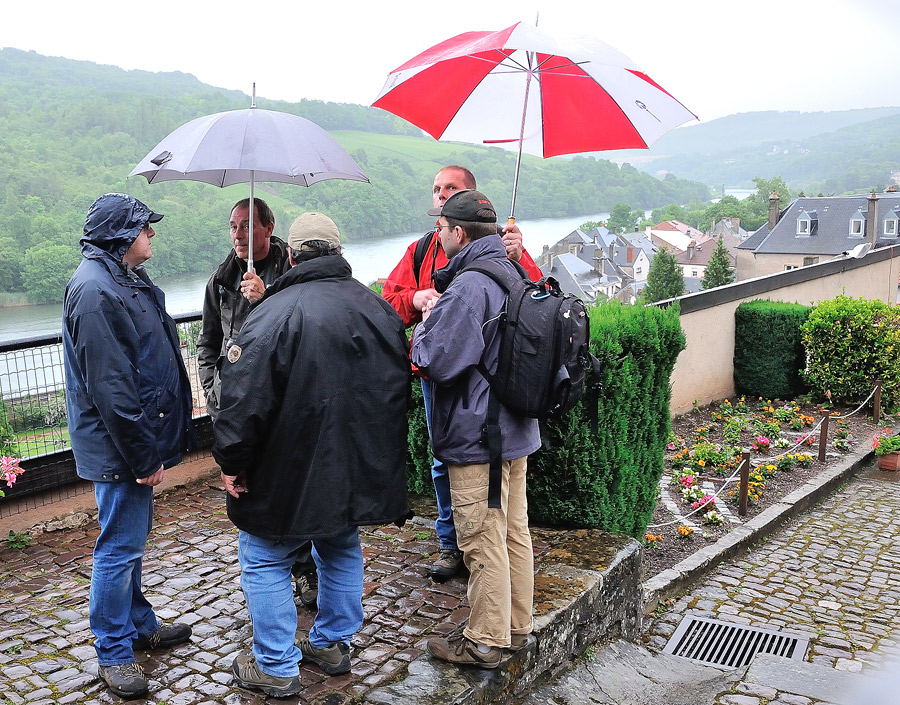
(768, 350)
(850, 343)
(608, 480)
(418, 458)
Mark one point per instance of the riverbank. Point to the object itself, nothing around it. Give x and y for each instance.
(12, 300)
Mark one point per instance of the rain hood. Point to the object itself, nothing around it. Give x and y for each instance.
(113, 222)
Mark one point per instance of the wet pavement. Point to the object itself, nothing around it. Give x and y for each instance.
(831, 575)
(191, 575)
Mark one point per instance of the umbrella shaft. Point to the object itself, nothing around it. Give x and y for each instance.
(512, 208)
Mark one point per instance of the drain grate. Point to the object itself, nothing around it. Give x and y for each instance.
(727, 645)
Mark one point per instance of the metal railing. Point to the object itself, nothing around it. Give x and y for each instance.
(33, 410)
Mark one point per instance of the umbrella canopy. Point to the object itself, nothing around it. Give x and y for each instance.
(240, 146)
(246, 146)
(521, 85)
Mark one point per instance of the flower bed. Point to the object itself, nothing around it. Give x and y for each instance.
(704, 451)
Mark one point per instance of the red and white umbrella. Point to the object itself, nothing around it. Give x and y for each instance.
(577, 94)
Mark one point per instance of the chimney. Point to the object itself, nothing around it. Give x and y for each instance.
(872, 219)
(612, 249)
(773, 211)
(690, 251)
(712, 226)
(629, 253)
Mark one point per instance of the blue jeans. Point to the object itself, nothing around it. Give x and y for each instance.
(266, 581)
(119, 612)
(440, 476)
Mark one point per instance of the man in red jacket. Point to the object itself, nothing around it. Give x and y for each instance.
(408, 289)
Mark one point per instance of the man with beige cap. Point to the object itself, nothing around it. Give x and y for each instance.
(311, 439)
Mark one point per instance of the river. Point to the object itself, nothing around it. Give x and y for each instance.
(370, 260)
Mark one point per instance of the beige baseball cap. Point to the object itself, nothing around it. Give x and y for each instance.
(313, 226)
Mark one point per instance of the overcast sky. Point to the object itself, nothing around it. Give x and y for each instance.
(717, 58)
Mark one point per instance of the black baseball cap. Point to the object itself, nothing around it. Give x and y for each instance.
(469, 205)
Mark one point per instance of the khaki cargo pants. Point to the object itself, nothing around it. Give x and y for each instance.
(498, 553)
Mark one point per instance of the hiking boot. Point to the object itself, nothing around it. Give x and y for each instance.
(248, 675)
(165, 636)
(125, 680)
(334, 659)
(307, 588)
(462, 651)
(517, 642)
(448, 563)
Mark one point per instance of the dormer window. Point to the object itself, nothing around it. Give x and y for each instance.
(807, 223)
(891, 223)
(857, 225)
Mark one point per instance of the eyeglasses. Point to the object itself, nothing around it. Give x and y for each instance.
(441, 227)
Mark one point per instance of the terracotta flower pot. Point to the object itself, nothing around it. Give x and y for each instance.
(889, 461)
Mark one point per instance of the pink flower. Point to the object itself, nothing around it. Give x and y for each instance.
(761, 442)
(708, 502)
(10, 470)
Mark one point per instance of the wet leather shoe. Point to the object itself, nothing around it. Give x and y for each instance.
(125, 680)
(165, 636)
(448, 563)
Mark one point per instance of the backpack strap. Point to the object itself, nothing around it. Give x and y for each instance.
(419, 253)
(491, 437)
(496, 271)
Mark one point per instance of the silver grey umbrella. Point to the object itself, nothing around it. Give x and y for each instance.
(246, 146)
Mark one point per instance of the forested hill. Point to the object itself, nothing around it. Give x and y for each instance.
(72, 130)
(856, 158)
(832, 153)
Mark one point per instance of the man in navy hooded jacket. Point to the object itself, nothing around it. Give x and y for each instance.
(129, 416)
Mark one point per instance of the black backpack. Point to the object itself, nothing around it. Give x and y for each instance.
(544, 355)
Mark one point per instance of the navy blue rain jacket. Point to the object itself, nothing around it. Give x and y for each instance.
(127, 392)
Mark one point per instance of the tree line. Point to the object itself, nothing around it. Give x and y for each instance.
(72, 130)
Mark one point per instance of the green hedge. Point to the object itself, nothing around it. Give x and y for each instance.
(418, 459)
(607, 480)
(768, 350)
(850, 343)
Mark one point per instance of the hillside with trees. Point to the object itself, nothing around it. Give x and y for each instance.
(851, 159)
(72, 130)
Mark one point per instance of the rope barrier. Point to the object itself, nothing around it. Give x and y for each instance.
(753, 465)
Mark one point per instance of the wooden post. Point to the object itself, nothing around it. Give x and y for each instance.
(876, 402)
(823, 438)
(745, 483)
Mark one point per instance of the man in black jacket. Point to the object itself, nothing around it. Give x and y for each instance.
(229, 294)
(311, 439)
(231, 289)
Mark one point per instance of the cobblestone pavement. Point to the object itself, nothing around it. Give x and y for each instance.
(832, 575)
(191, 575)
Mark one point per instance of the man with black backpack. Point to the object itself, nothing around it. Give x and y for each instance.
(408, 289)
(457, 346)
